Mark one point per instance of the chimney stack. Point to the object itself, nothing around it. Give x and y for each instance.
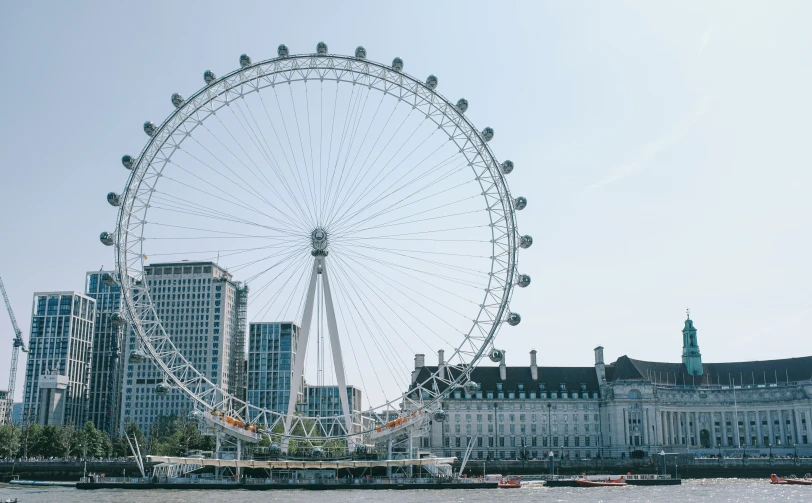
(502, 368)
(600, 368)
(534, 368)
(419, 361)
(441, 357)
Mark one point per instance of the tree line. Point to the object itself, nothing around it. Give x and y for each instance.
(168, 436)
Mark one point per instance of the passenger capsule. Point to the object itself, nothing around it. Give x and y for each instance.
(107, 239)
(150, 128)
(526, 241)
(177, 100)
(496, 355)
(162, 389)
(245, 60)
(195, 415)
(462, 105)
(137, 356)
(514, 319)
(507, 167)
(439, 416)
(360, 52)
(431, 82)
(117, 320)
(108, 279)
(318, 452)
(113, 199)
(397, 64)
(471, 387)
(520, 203)
(321, 48)
(523, 280)
(487, 134)
(128, 162)
(209, 77)
(282, 51)
(275, 449)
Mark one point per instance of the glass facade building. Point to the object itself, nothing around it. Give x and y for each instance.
(62, 325)
(197, 303)
(106, 369)
(271, 351)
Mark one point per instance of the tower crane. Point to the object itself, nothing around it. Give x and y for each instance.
(15, 353)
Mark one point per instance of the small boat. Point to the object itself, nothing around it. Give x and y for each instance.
(792, 479)
(775, 479)
(9, 500)
(601, 483)
(510, 483)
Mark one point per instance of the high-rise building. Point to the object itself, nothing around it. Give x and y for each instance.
(271, 351)
(197, 303)
(5, 407)
(325, 401)
(59, 350)
(104, 407)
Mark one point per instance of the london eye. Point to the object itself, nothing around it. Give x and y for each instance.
(358, 203)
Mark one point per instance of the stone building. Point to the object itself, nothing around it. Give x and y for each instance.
(613, 410)
(756, 406)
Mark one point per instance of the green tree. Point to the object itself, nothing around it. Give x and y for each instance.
(29, 439)
(9, 440)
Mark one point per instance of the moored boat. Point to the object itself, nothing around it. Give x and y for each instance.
(602, 483)
(510, 483)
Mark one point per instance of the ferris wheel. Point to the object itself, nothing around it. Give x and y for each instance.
(358, 203)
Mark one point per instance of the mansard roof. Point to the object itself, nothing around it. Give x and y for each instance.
(732, 373)
(551, 377)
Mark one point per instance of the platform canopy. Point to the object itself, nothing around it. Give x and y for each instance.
(293, 465)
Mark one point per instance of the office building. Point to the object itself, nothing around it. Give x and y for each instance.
(5, 408)
(271, 352)
(104, 407)
(60, 344)
(198, 305)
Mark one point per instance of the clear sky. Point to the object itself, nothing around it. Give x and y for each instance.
(663, 148)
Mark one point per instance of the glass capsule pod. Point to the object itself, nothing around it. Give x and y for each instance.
(431, 82)
(462, 105)
(397, 64)
(514, 319)
(209, 77)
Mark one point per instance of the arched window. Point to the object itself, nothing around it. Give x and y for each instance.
(635, 395)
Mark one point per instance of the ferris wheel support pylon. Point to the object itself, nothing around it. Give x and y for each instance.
(319, 241)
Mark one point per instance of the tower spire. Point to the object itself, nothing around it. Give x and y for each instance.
(691, 357)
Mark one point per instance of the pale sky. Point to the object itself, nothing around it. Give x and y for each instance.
(663, 148)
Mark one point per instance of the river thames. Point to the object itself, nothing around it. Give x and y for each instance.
(717, 490)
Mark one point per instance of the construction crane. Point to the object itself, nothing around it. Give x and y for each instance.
(15, 353)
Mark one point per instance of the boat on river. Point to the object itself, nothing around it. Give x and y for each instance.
(510, 482)
(792, 480)
(602, 483)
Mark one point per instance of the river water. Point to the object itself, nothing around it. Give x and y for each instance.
(716, 490)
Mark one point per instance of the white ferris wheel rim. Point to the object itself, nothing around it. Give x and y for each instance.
(131, 221)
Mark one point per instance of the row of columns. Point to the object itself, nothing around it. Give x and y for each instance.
(683, 428)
